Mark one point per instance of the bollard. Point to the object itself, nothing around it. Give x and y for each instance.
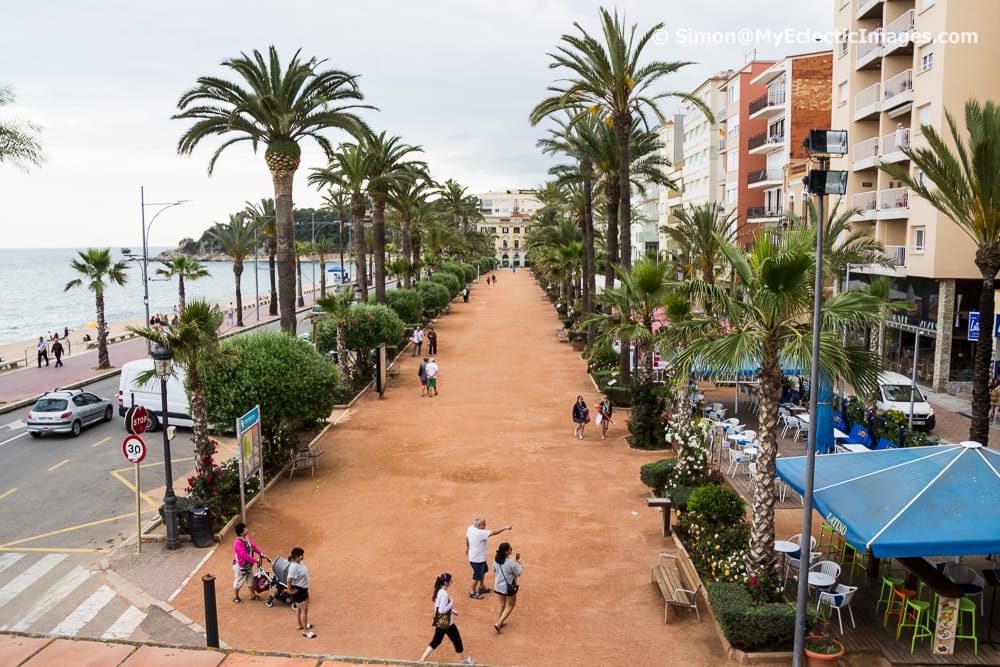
(211, 616)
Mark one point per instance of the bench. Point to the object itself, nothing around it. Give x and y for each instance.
(679, 583)
(562, 334)
(9, 365)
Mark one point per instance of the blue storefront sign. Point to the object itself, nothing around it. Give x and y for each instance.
(973, 326)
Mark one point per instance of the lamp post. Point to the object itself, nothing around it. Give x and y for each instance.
(256, 284)
(162, 361)
(145, 247)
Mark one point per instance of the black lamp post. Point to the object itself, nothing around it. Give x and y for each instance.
(162, 361)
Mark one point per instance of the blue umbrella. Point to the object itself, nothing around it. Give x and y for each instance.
(917, 501)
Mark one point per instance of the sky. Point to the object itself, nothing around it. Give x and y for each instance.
(457, 78)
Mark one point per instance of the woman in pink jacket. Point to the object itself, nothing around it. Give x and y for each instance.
(243, 560)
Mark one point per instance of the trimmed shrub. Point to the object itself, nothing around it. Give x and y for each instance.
(602, 358)
(408, 304)
(647, 420)
(621, 397)
(370, 325)
(450, 281)
(680, 497)
(718, 504)
(749, 626)
(434, 295)
(655, 474)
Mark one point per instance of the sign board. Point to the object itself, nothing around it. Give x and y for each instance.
(248, 433)
(134, 448)
(136, 420)
(996, 325)
(973, 326)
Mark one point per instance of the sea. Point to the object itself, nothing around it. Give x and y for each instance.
(34, 301)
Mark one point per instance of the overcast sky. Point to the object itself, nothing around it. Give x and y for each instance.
(102, 78)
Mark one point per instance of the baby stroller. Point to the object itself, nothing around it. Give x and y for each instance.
(264, 582)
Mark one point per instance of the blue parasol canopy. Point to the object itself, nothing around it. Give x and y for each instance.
(917, 501)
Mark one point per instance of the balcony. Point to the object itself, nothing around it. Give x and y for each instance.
(897, 36)
(765, 142)
(770, 104)
(866, 103)
(869, 53)
(897, 90)
(763, 214)
(893, 145)
(865, 154)
(765, 178)
(866, 204)
(868, 9)
(896, 254)
(893, 203)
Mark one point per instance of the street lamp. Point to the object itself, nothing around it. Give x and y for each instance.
(145, 246)
(162, 361)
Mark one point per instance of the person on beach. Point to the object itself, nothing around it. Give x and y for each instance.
(581, 415)
(444, 620)
(422, 374)
(243, 560)
(431, 371)
(506, 570)
(57, 351)
(475, 548)
(432, 341)
(604, 412)
(418, 341)
(43, 351)
(298, 587)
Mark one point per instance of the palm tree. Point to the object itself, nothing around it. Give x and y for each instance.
(385, 165)
(18, 144)
(408, 194)
(703, 232)
(301, 248)
(964, 184)
(279, 107)
(194, 342)
(608, 80)
(237, 241)
(96, 267)
(339, 201)
(322, 248)
(767, 322)
(184, 268)
(337, 308)
(263, 215)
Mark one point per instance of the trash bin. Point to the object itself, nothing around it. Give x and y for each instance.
(200, 524)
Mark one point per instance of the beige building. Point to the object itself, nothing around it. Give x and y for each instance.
(671, 135)
(703, 143)
(904, 63)
(507, 217)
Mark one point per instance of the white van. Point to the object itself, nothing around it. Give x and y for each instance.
(131, 392)
(894, 394)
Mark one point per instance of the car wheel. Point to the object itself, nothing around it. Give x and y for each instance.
(108, 414)
(154, 423)
(77, 427)
(35, 434)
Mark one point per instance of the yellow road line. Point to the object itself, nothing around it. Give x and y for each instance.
(101, 442)
(131, 487)
(7, 493)
(60, 550)
(60, 464)
(67, 530)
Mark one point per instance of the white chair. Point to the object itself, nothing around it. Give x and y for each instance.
(826, 567)
(788, 422)
(793, 564)
(837, 599)
(971, 581)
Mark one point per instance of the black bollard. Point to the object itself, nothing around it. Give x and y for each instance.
(211, 615)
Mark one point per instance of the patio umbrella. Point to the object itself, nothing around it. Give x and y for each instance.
(90, 325)
(942, 500)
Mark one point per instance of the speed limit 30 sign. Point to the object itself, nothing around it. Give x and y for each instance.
(134, 448)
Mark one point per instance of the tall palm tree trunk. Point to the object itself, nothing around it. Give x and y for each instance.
(358, 215)
(378, 248)
(611, 200)
(285, 225)
(761, 554)
(199, 426)
(298, 274)
(103, 359)
(180, 293)
(589, 277)
(238, 274)
(322, 275)
(988, 262)
(342, 353)
(623, 123)
(406, 249)
(272, 252)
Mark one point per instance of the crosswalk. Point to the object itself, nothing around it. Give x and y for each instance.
(59, 595)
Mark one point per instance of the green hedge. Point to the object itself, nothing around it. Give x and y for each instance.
(408, 304)
(749, 626)
(621, 397)
(449, 280)
(655, 474)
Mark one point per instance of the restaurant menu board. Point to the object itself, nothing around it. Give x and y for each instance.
(946, 626)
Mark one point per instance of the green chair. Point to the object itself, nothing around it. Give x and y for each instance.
(849, 551)
(916, 615)
(830, 542)
(967, 607)
(885, 595)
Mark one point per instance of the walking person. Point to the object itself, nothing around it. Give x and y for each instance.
(581, 415)
(475, 548)
(43, 351)
(444, 620)
(432, 341)
(422, 374)
(298, 588)
(431, 371)
(505, 573)
(57, 351)
(418, 340)
(243, 559)
(229, 315)
(604, 412)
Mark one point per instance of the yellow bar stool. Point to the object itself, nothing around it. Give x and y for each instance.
(967, 607)
(916, 615)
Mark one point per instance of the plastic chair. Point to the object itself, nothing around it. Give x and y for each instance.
(884, 444)
(916, 614)
(839, 423)
(897, 604)
(837, 599)
(859, 435)
(967, 606)
(971, 581)
(826, 567)
(829, 541)
(849, 551)
(793, 563)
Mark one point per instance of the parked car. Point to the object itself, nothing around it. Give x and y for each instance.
(894, 394)
(67, 411)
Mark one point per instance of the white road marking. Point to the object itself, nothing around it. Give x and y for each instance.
(50, 598)
(16, 424)
(30, 576)
(125, 625)
(83, 614)
(8, 559)
(19, 435)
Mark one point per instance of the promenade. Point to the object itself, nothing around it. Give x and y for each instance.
(401, 479)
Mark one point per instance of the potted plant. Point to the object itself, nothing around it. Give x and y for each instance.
(821, 648)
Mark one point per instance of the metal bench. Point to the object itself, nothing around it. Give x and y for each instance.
(562, 334)
(679, 583)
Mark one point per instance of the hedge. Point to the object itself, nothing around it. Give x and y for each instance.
(753, 627)
(655, 474)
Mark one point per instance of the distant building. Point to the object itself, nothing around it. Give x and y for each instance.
(507, 216)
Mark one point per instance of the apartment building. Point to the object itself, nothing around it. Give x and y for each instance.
(671, 135)
(702, 146)
(744, 176)
(906, 63)
(507, 216)
(797, 99)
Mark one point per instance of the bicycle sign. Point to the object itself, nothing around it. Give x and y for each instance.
(134, 448)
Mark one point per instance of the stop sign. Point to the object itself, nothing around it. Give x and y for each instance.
(136, 420)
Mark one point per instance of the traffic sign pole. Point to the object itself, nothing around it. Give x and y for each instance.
(138, 513)
(134, 450)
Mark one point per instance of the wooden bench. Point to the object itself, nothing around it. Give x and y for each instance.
(562, 334)
(678, 583)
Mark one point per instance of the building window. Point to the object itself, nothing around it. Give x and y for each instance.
(731, 194)
(924, 115)
(926, 57)
(733, 92)
(842, 93)
(506, 230)
(843, 46)
(517, 230)
(517, 244)
(919, 239)
(505, 244)
(732, 160)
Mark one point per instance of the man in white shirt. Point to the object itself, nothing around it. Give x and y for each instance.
(418, 339)
(475, 546)
(431, 372)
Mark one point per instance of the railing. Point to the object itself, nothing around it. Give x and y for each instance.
(866, 202)
(871, 42)
(895, 254)
(894, 198)
(772, 98)
(765, 138)
(864, 6)
(867, 98)
(866, 150)
(897, 86)
(899, 31)
(763, 212)
(764, 175)
(897, 141)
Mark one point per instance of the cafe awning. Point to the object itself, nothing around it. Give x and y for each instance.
(942, 500)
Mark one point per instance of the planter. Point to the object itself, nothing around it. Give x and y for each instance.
(578, 344)
(814, 659)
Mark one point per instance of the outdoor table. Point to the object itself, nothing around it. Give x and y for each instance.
(792, 407)
(837, 433)
(784, 547)
(853, 447)
(946, 619)
(822, 580)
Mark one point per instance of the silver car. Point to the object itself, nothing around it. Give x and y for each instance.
(67, 411)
